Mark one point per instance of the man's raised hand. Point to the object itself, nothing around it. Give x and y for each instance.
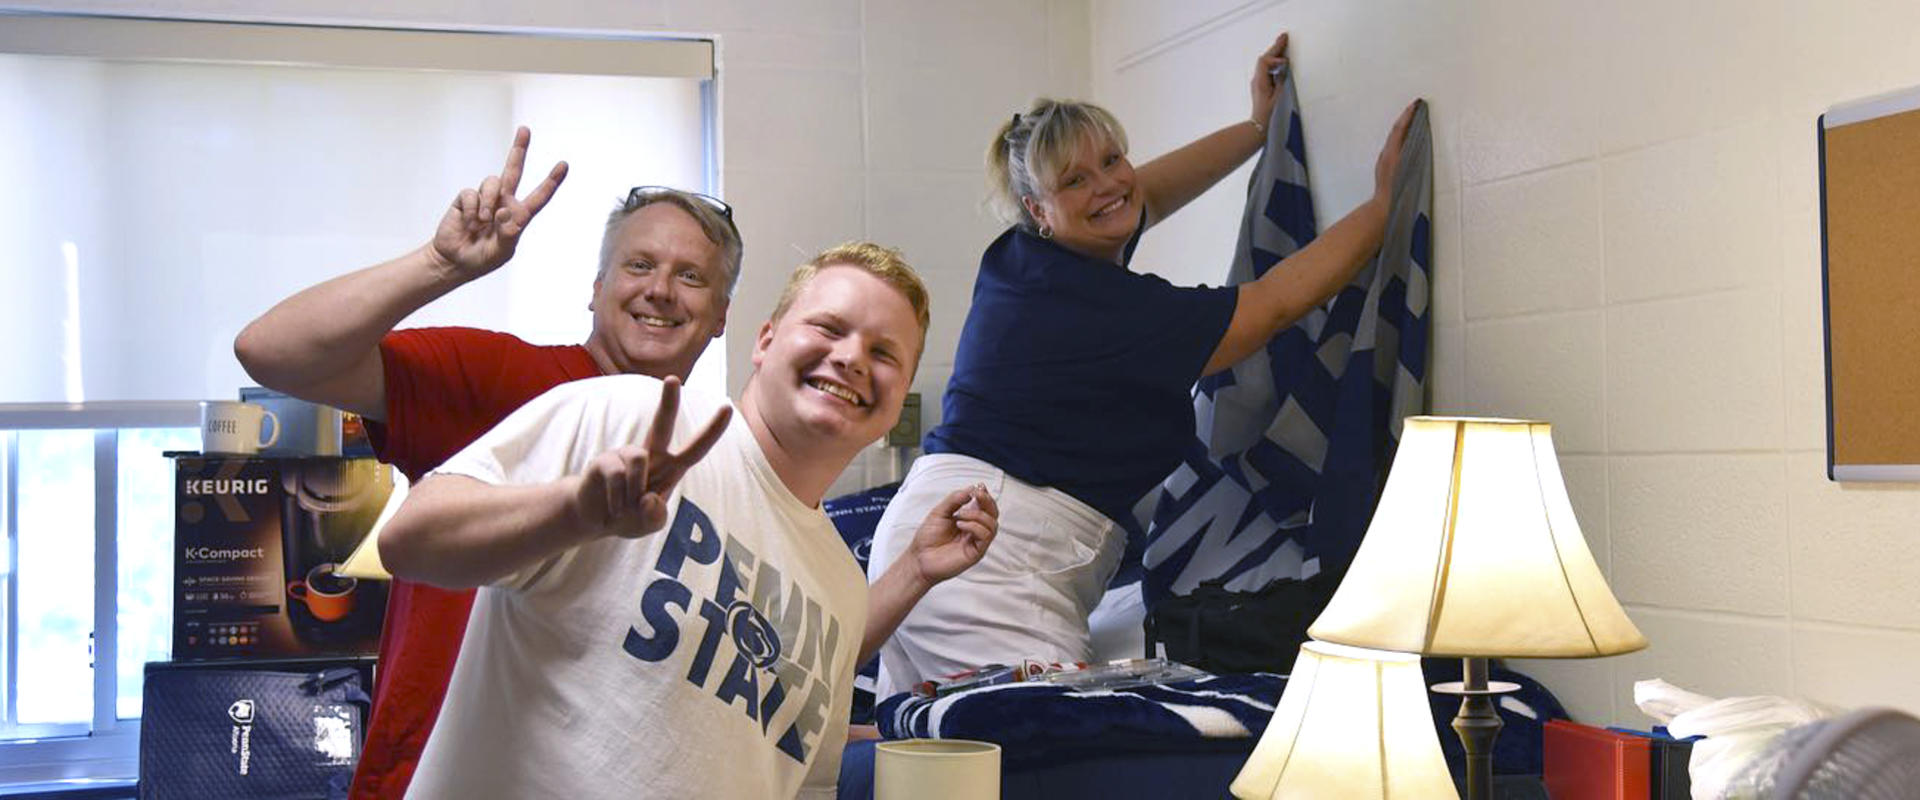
(481, 229)
(623, 491)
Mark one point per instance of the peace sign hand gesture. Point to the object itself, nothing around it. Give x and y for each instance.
(481, 229)
(623, 492)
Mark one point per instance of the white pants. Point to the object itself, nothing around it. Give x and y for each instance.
(1029, 597)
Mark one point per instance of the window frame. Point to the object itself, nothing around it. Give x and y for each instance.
(107, 746)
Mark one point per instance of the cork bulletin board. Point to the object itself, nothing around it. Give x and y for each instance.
(1870, 262)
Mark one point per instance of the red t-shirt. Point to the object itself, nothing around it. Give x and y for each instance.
(445, 387)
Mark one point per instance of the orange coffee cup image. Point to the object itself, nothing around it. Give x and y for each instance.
(328, 596)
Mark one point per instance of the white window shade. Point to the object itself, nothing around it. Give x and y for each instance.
(167, 182)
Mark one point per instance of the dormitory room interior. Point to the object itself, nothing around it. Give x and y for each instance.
(1626, 242)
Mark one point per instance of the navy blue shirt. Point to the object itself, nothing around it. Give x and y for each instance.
(1077, 373)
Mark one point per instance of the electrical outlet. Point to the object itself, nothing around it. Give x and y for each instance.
(906, 432)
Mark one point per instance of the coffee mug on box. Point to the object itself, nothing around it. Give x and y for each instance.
(234, 428)
(309, 429)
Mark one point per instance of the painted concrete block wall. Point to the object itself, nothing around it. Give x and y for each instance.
(1628, 247)
(840, 119)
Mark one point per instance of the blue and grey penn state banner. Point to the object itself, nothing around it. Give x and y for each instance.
(1294, 442)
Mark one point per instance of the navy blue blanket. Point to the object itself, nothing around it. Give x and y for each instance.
(1041, 723)
(856, 516)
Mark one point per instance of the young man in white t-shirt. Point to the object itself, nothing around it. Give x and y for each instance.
(655, 623)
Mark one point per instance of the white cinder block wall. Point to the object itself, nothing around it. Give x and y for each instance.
(1628, 247)
(840, 119)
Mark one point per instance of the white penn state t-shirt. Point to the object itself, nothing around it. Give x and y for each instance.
(711, 659)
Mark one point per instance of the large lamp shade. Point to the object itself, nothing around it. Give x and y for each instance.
(1474, 552)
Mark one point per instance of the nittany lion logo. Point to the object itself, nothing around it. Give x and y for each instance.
(241, 711)
(753, 635)
(773, 671)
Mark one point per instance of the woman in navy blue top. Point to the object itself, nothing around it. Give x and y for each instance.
(1071, 392)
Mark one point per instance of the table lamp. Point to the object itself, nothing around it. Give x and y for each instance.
(1352, 723)
(1474, 553)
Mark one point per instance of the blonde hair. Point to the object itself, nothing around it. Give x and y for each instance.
(1030, 151)
(880, 261)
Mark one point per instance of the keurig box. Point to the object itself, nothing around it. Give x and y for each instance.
(257, 540)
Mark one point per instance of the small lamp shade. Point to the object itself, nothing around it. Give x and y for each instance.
(1352, 723)
(1474, 552)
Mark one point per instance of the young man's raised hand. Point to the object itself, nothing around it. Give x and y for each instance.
(623, 491)
(955, 534)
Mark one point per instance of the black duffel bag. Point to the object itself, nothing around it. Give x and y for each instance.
(1223, 631)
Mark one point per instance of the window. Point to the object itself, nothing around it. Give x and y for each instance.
(172, 180)
(86, 515)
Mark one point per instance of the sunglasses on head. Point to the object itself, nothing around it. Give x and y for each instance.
(642, 195)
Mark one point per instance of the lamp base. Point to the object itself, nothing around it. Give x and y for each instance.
(1477, 724)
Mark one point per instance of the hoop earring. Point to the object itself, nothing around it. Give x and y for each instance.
(1046, 232)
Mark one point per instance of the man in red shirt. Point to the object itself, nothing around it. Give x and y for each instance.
(668, 264)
